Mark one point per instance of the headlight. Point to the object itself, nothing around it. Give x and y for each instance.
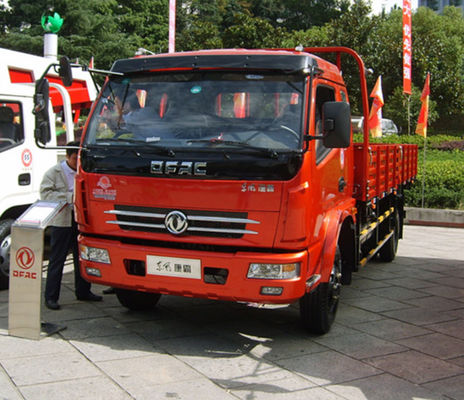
(274, 271)
(95, 254)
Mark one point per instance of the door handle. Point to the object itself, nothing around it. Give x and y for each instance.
(341, 184)
(24, 179)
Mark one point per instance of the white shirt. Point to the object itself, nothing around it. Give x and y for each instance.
(69, 173)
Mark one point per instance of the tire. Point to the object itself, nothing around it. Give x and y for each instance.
(137, 301)
(388, 251)
(319, 307)
(5, 246)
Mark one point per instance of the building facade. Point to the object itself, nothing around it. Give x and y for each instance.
(439, 5)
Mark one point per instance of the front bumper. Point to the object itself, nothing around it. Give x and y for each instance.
(221, 276)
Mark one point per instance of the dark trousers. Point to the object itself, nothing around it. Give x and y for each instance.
(62, 240)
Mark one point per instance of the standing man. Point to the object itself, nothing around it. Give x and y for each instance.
(58, 185)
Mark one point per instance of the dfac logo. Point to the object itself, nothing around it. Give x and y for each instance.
(104, 182)
(25, 258)
(176, 222)
(103, 190)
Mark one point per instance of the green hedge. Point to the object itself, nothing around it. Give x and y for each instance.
(444, 171)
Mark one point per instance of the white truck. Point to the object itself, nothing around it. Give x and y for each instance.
(22, 162)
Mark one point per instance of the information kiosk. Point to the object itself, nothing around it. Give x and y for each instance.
(26, 259)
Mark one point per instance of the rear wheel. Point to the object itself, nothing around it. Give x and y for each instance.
(388, 251)
(318, 308)
(5, 246)
(137, 301)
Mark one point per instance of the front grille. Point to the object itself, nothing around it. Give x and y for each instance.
(199, 223)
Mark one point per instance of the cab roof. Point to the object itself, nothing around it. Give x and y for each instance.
(287, 61)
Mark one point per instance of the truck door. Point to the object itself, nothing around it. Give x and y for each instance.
(331, 165)
(15, 159)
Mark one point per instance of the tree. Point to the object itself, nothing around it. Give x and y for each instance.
(397, 104)
(438, 49)
(146, 20)
(248, 32)
(89, 29)
(199, 24)
(354, 29)
(297, 14)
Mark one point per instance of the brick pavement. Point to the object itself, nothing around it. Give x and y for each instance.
(399, 334)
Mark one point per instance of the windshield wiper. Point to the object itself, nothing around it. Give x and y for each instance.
(118, 140)
(216, 141)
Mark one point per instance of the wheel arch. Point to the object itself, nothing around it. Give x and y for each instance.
(340, 231)
(347, 245)
(14, 212)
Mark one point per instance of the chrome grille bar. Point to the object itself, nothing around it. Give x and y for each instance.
(197, 229)
(139, 224)
(123, 220)
(221, 219)
(190, 217)
(135, 214)
(219, 230)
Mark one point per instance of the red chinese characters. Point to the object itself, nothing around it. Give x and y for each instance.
(407, 46)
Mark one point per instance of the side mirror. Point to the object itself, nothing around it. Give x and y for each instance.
(65, 71)
(42, 123)
(336, 124)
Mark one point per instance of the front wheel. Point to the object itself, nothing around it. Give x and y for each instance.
(318, 308)
(135, 300)
(5, 246)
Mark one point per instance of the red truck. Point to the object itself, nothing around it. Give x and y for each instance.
(231, 175)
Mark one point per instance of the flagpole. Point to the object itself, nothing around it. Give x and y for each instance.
(423, 174)
(172, 26)
(422, 128)
(408, 99)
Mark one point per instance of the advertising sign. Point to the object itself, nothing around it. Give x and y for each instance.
(407, 47)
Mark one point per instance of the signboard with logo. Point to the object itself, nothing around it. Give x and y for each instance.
(26, 257)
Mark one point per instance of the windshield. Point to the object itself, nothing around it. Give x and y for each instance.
(200, 110)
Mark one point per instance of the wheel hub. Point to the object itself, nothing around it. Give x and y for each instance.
(335, 282)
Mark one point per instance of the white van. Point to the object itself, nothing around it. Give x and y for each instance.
(388, 126)
(22, 163)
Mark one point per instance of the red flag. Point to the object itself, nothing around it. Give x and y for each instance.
(424, 112)
(91, 63)
(407, 46)
(375, 116)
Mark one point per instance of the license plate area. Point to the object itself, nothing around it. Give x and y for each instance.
(173, 266)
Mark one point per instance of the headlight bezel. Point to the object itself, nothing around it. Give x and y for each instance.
(94, 254)
(270, 271)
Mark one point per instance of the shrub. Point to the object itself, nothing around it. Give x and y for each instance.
(444, 180)
(450, 145)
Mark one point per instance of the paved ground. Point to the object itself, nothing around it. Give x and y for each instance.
(399, 334)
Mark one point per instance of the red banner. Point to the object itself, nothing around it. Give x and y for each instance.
(407, 46)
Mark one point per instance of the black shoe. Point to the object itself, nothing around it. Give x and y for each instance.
(90, 297)
(109, 290)
(52, 305)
